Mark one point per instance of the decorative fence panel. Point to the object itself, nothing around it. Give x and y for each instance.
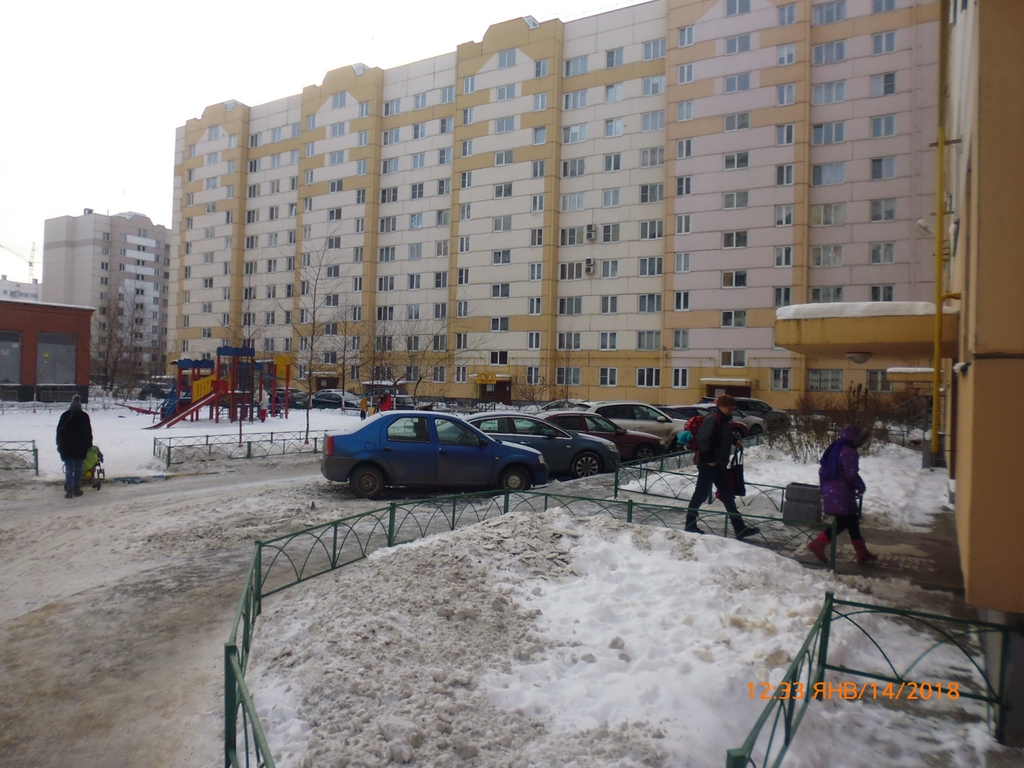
(19, 454)
(257, 445)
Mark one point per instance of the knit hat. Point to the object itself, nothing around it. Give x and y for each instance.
(725, 401)
(76, 403)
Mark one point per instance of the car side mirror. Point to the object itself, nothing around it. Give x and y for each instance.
(550, 433)
(482, 442)
(663, 419)
(620, 431)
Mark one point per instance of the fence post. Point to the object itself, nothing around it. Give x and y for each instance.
(35, 457)
(629, 511)
(826, 626)
(453, 513)
(168, 455)
(230, 704)
(1004, 663)
(258, 586)
(315, 449)
(736, 758)
(248, 449)
(506, 502)
(392, 508)
(616, 482)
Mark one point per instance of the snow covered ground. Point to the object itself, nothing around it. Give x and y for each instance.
(128, 446)
(540, 640)
(900, 495)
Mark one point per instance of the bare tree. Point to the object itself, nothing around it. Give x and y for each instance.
(530, 384)
(124, 341)
(567, 357)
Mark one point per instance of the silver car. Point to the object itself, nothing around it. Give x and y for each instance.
(566, 453)
(641, 417)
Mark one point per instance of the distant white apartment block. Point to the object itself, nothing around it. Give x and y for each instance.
(118, 265)
(11, 289)
(613, 207)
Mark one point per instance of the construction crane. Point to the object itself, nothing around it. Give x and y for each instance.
(30, 259)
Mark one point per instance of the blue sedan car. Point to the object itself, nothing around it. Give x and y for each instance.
(419, 448)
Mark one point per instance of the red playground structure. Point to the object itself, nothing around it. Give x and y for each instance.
(235, 381)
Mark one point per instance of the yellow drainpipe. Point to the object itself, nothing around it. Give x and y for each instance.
(940, 207)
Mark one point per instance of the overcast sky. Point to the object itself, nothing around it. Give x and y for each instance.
(91, 92)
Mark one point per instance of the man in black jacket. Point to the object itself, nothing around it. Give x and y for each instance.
(714, 440)
(74, 439)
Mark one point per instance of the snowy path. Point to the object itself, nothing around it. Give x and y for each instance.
(114, 609)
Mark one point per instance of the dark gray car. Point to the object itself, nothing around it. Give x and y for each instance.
(566, 453)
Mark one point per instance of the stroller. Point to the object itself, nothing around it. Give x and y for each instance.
(92, 470)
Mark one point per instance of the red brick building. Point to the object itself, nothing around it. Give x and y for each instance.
(44, 351)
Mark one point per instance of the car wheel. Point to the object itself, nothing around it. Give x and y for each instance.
(586, 464)
(643, 453)
(366, 482)
(515, 478)
(738, 432)
(756, 430)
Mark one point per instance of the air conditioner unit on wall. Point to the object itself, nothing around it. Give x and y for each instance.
(588, 266)
(591, 231)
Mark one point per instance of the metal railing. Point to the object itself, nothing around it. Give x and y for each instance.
(257, 445)
(296, 557)
(19, 454)
(905, 680)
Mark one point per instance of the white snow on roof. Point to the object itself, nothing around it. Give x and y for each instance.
(714, 379)
(859, 309)
(47, 304)
(909, 370)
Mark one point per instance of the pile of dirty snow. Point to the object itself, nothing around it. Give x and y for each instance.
(542, 639)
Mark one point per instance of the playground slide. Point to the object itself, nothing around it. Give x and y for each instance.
(170, 421)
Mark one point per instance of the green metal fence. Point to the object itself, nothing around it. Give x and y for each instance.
(804, 681)
(257, 445)
(19, 454)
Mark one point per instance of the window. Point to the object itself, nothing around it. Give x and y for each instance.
(736, 160)
(734, 318)
(612, 162)
(444, 186)
(653, 86)
(568, 341)
(540, 102)
(572, 270)
(501, 224)
(386, 254)
(652, 193)
(536, 237)
(883, 6)
(829, 93)
(783, 175)
(783, 215)
(735, 239)
(464, 244)
(537, 169)
(650, 266)
(737, 121)
(440, 311)
(740, 82)
(610, 268)
(572, 305)
(500, 290)
(613, 127)
(504, 157)
(652, 230)
(573, 134)
(648, 377)
(416, 221)
(444, 156)
(540, 134)
(443, 218)
(389, 195)
(737, 44)
(828, 215)
(448, 94)
(536, 270)
(828, 173)
(571, 236)
(682, 262)
(574, 100)
(685, 74)
(734, 358)
(574, 167)
(785, 54)
(573, 202)
(446, 125)
(883, 43)
(825, 379)
(684, 111)
(826, 256)
(652, 121)
(649, 303)
(609, 305)
(828, 133)
(505, 92)
(540, 68)
(465, 211)
(613, 58)
(783, 297)
(507, 58)
(565, 375)
(883, 253)
(734, 279)
(828, 13)
(610, 198)
(389, 166)
(883, 210)
(785, 94)
(499, 325)
(883, 293)
(734, 7)
(883, 126)
(534, 306)
(783, 255)
(609, 233)
(883, 85)
(828, 294)
(883, 168)
(654, 49)
(735, 200)
(683, 222)
(388, 224)
(462, 309)
(682, 301)
(829, 53)
(613, 93)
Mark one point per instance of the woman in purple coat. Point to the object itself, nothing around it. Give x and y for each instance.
(841, 485)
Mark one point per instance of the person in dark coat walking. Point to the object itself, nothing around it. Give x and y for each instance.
(841, 485)
(715, 440)
(74, 439)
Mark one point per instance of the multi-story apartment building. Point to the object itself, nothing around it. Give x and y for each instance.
(11, 289)
(609, 207)
(118, 265)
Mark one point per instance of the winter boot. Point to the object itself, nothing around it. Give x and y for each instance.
(818, 546)
(747, 530)
(691, 523)
(863, 556)
(68, 494)
(78, 491)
